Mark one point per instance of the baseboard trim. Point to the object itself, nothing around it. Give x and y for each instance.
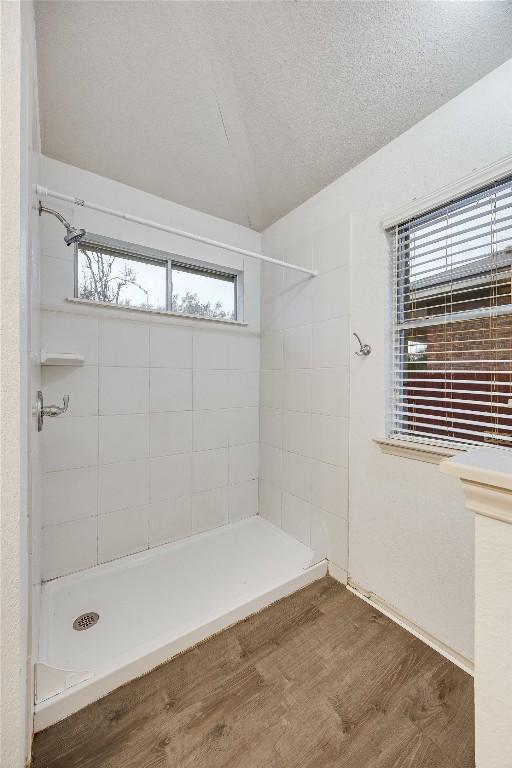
(388, 610)
(337, 573)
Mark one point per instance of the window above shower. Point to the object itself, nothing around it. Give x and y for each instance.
(115, 273)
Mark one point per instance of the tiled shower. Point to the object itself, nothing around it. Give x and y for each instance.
(161, 440)
(178, 429)
(304, 427)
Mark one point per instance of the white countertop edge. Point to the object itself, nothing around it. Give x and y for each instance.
(485, 466)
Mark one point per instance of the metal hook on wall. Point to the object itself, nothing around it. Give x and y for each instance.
(364, 349)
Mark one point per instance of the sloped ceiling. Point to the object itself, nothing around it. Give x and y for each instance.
(245, 109)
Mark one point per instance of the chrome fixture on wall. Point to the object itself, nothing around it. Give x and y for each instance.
(364, 349)
(49, 410)
(73, 235)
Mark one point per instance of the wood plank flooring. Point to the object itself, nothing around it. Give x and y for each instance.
(317, 680)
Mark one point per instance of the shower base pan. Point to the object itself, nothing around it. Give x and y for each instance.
(155, 604)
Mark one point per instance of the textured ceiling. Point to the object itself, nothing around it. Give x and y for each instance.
(246, 109)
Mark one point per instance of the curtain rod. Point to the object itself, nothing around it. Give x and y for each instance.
(39, 190)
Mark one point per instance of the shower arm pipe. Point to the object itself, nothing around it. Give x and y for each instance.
(43, 191)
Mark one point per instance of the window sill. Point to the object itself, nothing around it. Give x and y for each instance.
(431, 454)
(160, 312)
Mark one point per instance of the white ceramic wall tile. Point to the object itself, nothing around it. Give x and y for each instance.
(297, 475)
(271, 426)
(271, 465)
(124, 342)
(123, 390)
(211, 389)
(124, 484)
(331, 294)
(57, 283)
(69, 547)
(131, 427)
(319, 533)
(330, 439)
(243, 462)
(35, 500)
(298, 347)
(252, 306)
(296, 301)
(297, 432)
(244, 350)
(272, 351)
(337, 549)
(69, 495)
(329, 488)
(122, 533)
(123, 438)
(209, 509)
(272, 313)
(70, 333)
(243, 500)
(170, 346)
(37, 518)
(170, 390)
(329, 536)
(211, 348)
(80, 383)
(271, 279)
(272, 389)
(70, 443)
(331, 245)
(243, 425)
(210, 429)
(304, 403)
(209, 469)
(170, 433)
(52, 239)
(297, 390)
(330, 391)
(243, 389)
(296, 517)
(171, 477)
(298, 251)
(270, 502)
(331, 343)
(170, 520)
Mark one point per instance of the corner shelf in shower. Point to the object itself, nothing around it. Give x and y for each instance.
(61, 358)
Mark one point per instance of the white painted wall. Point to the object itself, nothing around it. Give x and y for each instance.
(305, 391)
(411, 539)
(18, 306)
(161, 437)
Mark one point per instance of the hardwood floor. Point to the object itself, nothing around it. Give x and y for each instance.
(318, 680)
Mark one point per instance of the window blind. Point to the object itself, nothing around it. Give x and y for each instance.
(452, 355)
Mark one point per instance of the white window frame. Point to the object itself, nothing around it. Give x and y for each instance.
(396, 443)
(170, 260)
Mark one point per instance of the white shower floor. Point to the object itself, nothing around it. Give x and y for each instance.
(157, 603)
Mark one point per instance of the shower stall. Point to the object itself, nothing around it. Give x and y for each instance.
(144, 608)
(189, 474)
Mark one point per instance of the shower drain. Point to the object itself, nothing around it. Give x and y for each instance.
(85, 621)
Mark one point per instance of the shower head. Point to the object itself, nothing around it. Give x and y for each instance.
(73, 235)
